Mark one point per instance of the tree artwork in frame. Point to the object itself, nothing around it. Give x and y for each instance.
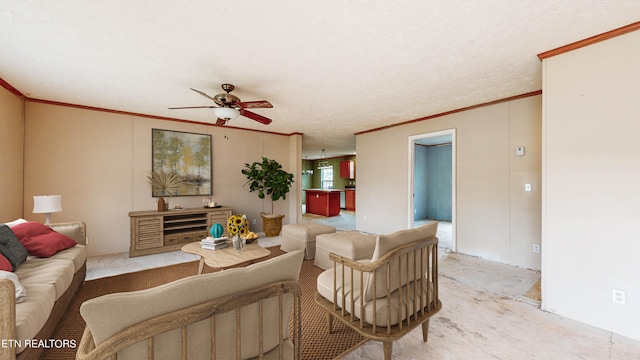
(187, 155)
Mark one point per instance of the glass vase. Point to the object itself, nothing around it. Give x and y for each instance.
(239, 242)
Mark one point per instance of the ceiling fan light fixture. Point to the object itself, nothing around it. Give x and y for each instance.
(226, 113)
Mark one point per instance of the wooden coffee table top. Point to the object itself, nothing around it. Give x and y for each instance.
(227, 257)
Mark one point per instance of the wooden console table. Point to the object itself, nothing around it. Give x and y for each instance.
(154, 232)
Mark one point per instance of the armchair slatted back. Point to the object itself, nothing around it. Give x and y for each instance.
(401, 305)
(387, 297)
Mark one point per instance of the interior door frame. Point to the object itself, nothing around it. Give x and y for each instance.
(412, 143)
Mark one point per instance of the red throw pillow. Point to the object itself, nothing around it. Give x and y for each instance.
(41, 240)
(5, 265)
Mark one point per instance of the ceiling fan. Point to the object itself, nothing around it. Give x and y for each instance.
(230, 106)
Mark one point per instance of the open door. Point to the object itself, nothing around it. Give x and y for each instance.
(432, 190)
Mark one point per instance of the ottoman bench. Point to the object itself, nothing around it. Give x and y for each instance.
(351, 244)
(303, 237)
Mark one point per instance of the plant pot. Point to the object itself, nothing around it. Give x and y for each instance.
(271, 224)
(161, 204)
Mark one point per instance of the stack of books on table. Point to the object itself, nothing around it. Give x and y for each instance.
(210, 243)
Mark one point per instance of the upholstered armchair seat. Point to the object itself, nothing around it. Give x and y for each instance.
(398, 308)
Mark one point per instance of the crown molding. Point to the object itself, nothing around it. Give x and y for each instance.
(11, 89)
(589, 41)
(20, 95)
(533, 93)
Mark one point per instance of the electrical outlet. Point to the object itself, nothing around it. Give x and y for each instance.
(536, 248)
(618, 296)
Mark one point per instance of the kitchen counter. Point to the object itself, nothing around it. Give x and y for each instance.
(323, 202)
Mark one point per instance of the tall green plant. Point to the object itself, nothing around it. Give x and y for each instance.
(269, 179)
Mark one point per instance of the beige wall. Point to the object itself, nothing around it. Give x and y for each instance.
(591, 177)
(98, 162)
(496, 219)
(11, 154)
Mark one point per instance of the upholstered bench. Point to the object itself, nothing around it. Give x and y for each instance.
(350, 244)
(303, 237)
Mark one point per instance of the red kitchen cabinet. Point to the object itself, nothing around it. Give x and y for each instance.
(347, 169)
(350, 199)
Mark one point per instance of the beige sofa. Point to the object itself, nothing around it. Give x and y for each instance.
(239, 313)
(50, 283)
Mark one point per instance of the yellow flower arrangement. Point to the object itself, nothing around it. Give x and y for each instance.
(238, 224)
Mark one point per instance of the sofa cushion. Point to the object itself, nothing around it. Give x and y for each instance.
(111, 313)
(5, 265)
(76, 254)
(20, 290)
(386, 243)
(58, 273)
(41, 240)
(33, 312)
(11, 248)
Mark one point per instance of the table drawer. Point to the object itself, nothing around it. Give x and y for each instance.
(201, 235)
(171, 239)
(187, 238)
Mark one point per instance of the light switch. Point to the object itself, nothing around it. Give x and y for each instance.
(527, 187)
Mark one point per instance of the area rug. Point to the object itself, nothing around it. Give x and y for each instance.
(317, 343)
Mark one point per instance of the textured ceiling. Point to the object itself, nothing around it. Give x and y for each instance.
(329, 68)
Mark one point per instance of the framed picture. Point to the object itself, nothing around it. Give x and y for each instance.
(186, 155)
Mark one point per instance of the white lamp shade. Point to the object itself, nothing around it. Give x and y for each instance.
(47, 204)
(226, 113)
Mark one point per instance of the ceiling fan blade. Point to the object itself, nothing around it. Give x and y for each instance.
(203, 94)
(256, 104)
(221, 122)
(193, 107)
(256, 117)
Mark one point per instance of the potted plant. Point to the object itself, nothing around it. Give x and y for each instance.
(164, 184)
(269, 179)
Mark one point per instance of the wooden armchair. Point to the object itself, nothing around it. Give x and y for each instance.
(233, 314)
(385, 298)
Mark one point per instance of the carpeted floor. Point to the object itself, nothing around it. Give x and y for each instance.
(317, 343)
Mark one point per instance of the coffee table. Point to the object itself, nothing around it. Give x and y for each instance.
(227, 257)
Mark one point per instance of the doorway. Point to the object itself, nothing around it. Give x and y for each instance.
(432, 179)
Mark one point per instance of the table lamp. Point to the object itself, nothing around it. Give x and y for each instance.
(47, 204)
